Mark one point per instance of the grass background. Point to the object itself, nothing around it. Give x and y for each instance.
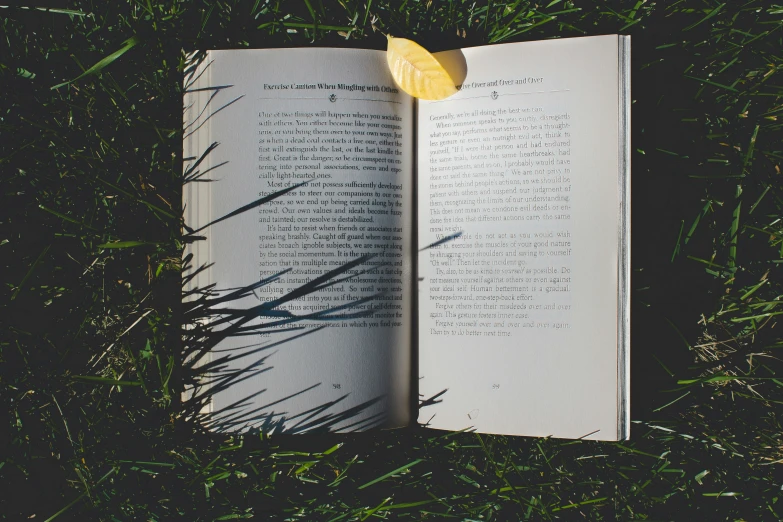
(91, 427)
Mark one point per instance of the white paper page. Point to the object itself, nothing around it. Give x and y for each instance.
(517, 316)
(333, 117)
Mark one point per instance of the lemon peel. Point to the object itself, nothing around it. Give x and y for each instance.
(416, 71)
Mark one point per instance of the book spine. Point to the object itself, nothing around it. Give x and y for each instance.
(624, 263)
(196, 195)
(196, 190)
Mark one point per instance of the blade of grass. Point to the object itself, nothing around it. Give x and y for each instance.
(376, 508)
(77, 499)
(24, 73)
(696, 221)
(66, 218)
(752, 317)
(311, 10)
(71, 12)
(105, 380)
(734, 230)
(148, 463)
(367, 12)
(679, 238)
(710, 82)
(751, 147)
(672, 402)
(30, 271)
(723, 378)
(671, 373)
(143, 202)
(753, 207)
(752, 290)
(125, 244)
(709, 15)
(126, 46)
(389, 474)
(569, 506)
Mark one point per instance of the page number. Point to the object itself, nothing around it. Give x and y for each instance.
(495, 386)
(335, 386)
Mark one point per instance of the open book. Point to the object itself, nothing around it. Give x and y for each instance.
(475, 249)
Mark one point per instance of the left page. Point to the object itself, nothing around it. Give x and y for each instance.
(333, 121)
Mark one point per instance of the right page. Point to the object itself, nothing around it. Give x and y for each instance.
(523, 314)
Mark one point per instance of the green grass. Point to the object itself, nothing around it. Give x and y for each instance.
(91, 427)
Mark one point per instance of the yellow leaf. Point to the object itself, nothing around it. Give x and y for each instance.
(416, 71)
